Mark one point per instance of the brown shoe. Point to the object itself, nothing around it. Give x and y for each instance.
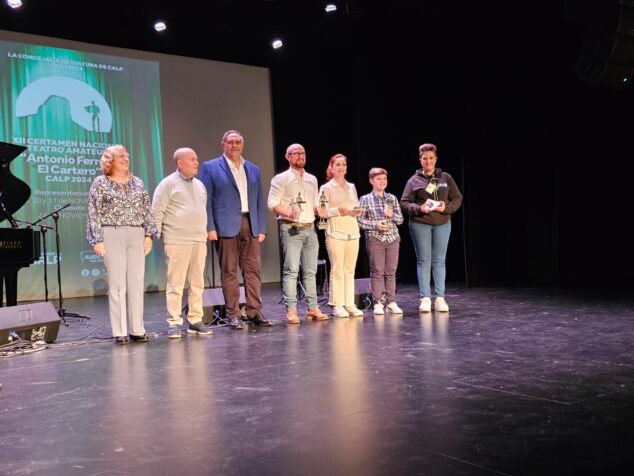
(316, 314)
(291, 316)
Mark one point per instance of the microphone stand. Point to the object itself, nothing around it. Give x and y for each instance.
(60, 311)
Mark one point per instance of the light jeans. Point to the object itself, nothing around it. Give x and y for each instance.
(300, 245)
(430, 245)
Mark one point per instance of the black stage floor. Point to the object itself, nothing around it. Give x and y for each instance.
(511, 381)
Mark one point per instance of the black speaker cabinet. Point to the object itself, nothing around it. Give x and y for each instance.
(32, 322)
(362, 293)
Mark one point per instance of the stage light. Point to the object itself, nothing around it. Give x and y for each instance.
(277, 44)
(331, 7)
(14, 3)
(160, 26)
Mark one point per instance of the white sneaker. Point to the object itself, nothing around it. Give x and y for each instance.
(339, 311)
(441, 305)
(378, 308)
(425, 305)
(354, 311)
(394, 309)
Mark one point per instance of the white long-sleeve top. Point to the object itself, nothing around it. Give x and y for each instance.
(341, 227)
(288, 186)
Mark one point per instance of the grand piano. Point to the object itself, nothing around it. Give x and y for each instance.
(19, 247)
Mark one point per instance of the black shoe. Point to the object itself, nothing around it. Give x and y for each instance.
(143, 338)
(121, 340)
(260, 321)
(199, 328)
(235, 323)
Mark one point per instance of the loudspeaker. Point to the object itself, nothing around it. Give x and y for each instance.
(30, 322)
(362, 293)
(214, 304)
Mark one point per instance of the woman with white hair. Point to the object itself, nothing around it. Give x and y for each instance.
(120, 228)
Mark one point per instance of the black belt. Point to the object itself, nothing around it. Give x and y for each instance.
(245, 214)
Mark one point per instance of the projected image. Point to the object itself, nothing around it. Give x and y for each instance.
(76, 92)
(66, 106)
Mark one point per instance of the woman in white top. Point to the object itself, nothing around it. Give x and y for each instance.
(342, 236)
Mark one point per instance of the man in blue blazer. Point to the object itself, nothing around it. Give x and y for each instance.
(236, 221)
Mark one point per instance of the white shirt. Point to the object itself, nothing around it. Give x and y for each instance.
(341, 227)
(288, 186)
(240, 176)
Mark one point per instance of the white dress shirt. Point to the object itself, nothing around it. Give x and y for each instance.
(240, 176)
(288, 186)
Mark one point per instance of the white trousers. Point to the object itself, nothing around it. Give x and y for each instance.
(125, 263)
(185, 262)
(343, 260)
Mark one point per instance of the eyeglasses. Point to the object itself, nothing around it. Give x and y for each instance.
(298, 154)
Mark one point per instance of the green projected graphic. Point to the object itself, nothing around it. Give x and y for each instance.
(67, 106)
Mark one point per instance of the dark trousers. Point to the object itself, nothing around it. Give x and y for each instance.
(383, 263)
(243, 250)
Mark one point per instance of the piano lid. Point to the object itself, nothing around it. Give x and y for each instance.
(8, 152)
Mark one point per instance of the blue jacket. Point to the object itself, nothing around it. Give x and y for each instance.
(224, 213)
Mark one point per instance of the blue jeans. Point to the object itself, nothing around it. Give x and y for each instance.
(300, 245)
(430, 244)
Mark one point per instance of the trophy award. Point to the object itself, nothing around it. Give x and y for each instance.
(389, 206)
(323, 204)
(296, 205)
(432, 204)
(389, 210)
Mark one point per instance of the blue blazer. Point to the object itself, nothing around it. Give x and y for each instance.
(224, 213)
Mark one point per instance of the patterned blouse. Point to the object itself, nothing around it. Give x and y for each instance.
(112, 204)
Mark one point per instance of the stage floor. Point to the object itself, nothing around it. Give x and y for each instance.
(510, 381)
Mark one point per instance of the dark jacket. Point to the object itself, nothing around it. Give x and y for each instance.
(415, 194)
(223, 199)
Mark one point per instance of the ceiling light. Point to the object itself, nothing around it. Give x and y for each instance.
(160, 26)
(277, 44)
(331, 7)
(14, 3)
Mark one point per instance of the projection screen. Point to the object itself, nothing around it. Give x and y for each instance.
(66, 101)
